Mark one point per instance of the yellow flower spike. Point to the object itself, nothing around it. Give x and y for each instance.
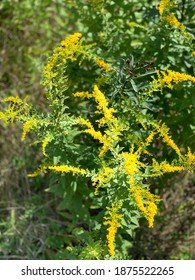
(173, 21)
(166, 167)
(95, 134)
(103, 177)
(149, 138)
(169, 78)
(27, 126)
(83, 94)
(164, 133)
(165, 5)
(146, 202)
(14, 99)
(39, 171)
(113, 222)
(69, 48)
(67, 169)
(189, 161)
(102, 106)
(103, 65)
(130, 162)
(45, 142)
(142, 147)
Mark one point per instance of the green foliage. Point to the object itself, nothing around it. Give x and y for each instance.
(109, 97)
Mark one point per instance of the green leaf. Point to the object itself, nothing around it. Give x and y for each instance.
(133, 85)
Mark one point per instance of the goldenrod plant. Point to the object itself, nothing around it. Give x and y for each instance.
(103, 131)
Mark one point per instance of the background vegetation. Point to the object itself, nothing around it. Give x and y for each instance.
(33, 223)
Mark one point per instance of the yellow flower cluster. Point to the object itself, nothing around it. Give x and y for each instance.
(130, 162)
(173, 21)
(102, 106)
(90, 130)
(103, 177)
(67, 169)
(68, 49)
(165, 167)
(59, 168)
(107, 139)
(15, 110)
(42, 169)
(189, 161)
(103, 65)
(193, 53)
(164, 133)
(113, 222)
(45, 142)
(169, 78)
(146, 202)
(29, 125)
(165, 5)
(14, 99)
(83, 94)
(144, 144)
(110, 135)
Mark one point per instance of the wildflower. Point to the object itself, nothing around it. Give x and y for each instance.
(14, 99)
(103, 139)
(45, 142)
(103, 177)
(69, 48)
(113, 222)
(42, 169)
(189, 161)
(102, 106)
(146, 202)
(130, 162)
(165, 167)
(193, 53)
(165, 5)
(163, 131)
(111, 135)
(169, 78)
(149, 138)
(3, 117)
(173, 21)
(67, 169)
(27, 126)
(90, 130)
(103, 65)
(83, 94)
